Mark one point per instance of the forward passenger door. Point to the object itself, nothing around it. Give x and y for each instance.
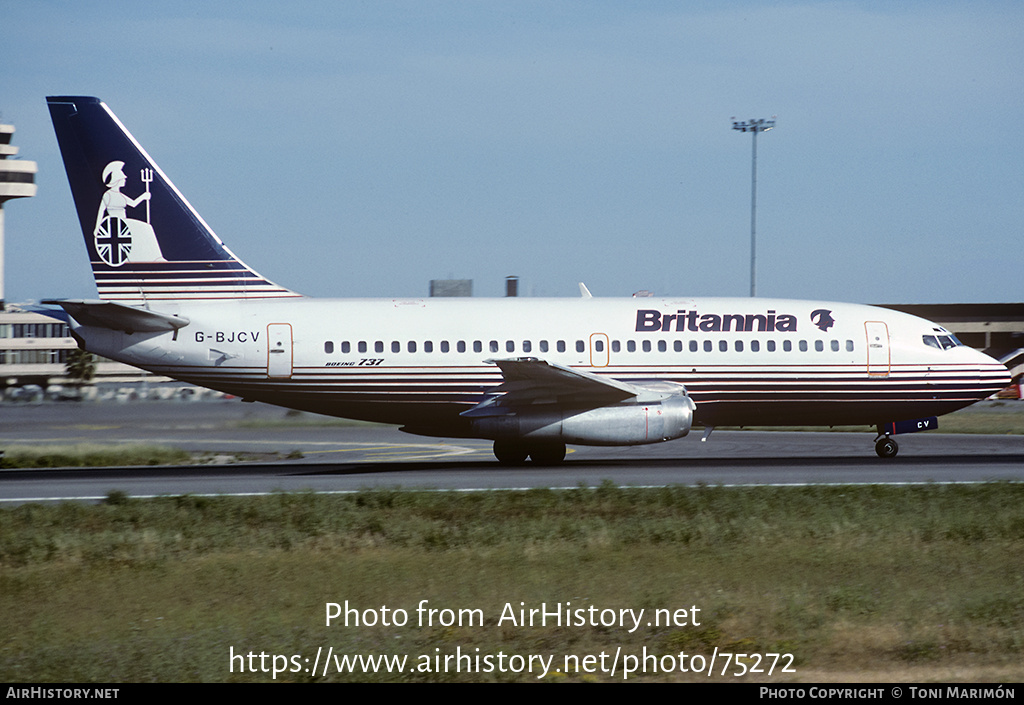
(879, 356)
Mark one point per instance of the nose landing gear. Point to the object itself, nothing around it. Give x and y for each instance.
(886, 446)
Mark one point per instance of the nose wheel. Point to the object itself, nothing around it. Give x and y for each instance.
(886, 447)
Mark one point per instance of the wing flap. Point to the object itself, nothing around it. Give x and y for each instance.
(525, 376)
(529, 380)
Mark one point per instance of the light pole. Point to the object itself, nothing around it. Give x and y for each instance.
(754, 126)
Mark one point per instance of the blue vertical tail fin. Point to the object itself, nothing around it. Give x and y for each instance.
(145, 241)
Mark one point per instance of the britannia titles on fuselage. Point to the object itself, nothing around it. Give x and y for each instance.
(651, 320)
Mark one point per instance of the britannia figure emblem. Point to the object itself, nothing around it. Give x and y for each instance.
(118, 238)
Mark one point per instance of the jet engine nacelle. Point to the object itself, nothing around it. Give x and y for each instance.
(622, 424)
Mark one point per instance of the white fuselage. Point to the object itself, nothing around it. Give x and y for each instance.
(420, 362)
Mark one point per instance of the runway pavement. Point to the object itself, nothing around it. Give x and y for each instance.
(305, 452)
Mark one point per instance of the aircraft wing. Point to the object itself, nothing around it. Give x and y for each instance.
(115, 316)
(529, 380)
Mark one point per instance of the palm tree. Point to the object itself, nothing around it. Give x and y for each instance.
(80, 368)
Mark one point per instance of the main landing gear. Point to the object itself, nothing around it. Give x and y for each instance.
(515, 452)
(886, 446)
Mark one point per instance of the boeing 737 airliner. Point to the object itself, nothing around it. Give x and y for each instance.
(530, 374)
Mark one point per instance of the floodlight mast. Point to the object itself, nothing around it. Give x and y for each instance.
(755, 126)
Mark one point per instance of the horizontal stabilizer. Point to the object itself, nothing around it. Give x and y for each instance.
(115, 316)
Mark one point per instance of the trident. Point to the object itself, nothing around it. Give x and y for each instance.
(147, 176)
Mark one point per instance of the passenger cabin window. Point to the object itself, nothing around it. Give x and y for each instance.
(396, 346)
(362, 346)
(560, 346)
(328, 347)
(346, 347)
(378, 346)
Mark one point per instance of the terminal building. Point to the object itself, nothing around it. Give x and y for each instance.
(34, 352)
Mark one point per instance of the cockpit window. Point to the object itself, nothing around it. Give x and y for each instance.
(942, 342)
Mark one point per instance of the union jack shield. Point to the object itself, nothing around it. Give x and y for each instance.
(113, 241)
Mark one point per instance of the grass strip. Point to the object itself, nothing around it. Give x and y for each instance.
(88, 455)
(883, 583)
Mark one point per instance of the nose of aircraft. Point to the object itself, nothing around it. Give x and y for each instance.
(993, 376)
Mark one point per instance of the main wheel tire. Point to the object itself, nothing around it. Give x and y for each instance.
(887, 447)
(510, 452)
(547, 453)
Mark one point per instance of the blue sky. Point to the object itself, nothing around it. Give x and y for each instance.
(364, 148)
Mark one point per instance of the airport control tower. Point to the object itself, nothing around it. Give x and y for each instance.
(17, 180)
